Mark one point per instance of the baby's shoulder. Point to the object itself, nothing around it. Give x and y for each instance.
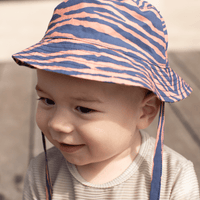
(170, 156)
(55, 162)
(179, 179)
(53, 156)
(175, 166)
(173, 159)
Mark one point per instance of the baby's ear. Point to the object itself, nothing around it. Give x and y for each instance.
(149, 110)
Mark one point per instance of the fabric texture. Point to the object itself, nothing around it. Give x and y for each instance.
(179, 180)
(123, 42)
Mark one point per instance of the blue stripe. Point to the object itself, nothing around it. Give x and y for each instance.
(157, 170)
(62, 46)
(93, 34)
(160, 47)
(93, 10)
(53, 24)
(130, 37)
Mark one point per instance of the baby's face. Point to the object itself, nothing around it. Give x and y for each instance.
(88, 121)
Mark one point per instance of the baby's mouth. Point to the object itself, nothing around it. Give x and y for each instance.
(70, 148)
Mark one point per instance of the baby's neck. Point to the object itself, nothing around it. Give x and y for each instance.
(106, 171)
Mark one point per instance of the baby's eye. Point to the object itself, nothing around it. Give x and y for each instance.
(84, 109)
(47, 101)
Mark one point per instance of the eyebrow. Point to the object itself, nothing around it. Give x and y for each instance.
(87, 99)
(81, 98)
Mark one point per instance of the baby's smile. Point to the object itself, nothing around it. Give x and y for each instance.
(69, 148)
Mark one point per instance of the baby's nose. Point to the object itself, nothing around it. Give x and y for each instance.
(61, 122)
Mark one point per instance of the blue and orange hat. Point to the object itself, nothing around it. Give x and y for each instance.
(115, 41)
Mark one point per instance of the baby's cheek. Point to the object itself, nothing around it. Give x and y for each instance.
(96, 134)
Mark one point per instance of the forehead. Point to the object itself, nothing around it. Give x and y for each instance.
(54, 81)
(59, 83)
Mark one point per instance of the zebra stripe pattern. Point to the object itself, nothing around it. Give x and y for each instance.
(123, 42)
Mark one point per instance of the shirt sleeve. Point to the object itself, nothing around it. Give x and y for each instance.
(186, 184)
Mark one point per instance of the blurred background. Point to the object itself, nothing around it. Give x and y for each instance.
(23, 23)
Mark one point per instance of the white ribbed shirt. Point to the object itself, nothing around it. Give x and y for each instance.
(179, 181)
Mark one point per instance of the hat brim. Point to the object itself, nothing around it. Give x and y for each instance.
(94, 62)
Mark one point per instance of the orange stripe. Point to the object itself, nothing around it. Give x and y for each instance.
(93, 67)
(100, 78)
(90, 41)
(139, 17)
(47, 195)
(92, 64)
(109, 31)
(101, 44)
(77, 52)
(110, 8)
(127, 21)
(80, 52)
(83, 14)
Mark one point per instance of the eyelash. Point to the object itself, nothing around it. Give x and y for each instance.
(45, 101)
(84, 110)
(81, 109)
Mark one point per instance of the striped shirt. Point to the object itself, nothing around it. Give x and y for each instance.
(179, 181)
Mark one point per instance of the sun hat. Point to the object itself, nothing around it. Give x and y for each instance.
(115, 41)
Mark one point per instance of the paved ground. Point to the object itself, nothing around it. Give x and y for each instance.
(20, 138)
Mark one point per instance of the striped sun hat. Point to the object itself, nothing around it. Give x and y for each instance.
(115, 41)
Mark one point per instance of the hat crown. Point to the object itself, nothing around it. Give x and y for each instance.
(121, 42)
(133, 28)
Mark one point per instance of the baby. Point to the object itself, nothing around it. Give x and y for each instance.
(103, 74)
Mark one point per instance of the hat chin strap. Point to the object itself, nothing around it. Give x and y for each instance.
(158, 156)
(49, 188)
(157, 162)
